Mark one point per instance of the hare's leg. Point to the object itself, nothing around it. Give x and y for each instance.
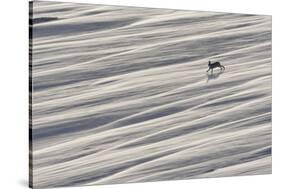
(208, 70)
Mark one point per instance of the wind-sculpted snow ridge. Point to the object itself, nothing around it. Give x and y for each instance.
(121, 94)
